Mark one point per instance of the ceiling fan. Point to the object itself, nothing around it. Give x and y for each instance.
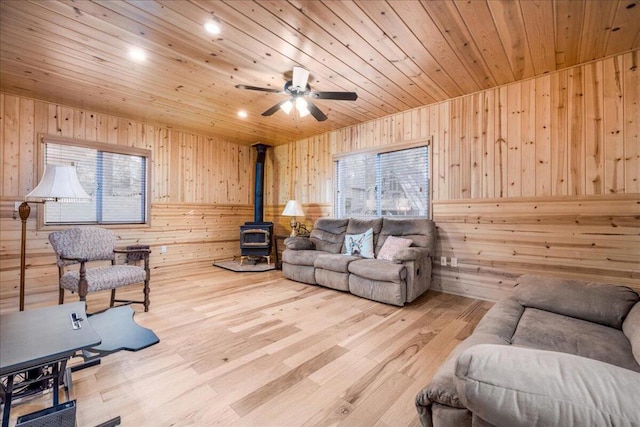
(298, 89)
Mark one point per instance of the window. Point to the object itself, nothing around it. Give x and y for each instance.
(382, 184)
(115, 178)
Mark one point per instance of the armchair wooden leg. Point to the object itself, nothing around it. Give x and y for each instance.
(60, 296)
(113, 297)
(146, 296)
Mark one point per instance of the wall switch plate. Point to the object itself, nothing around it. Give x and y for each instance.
(443, 261)
(454, 262)
(163, 249)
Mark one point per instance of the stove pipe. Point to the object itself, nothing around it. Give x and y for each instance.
(258, 206)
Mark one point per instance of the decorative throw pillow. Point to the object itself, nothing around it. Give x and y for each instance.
(391, 246)
(359, 244)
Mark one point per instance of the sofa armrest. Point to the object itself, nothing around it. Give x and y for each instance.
(299, 243)
(606, 304)
(516, 386)
(442, 389)
(410, 254)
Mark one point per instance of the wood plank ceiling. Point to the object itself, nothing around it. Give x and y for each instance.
(396, 55)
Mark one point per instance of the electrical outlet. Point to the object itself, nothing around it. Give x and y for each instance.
(454, 262)
(443, 261)
(16, 205)
(163, 249)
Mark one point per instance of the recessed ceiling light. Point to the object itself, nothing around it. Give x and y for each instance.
(137, 54)
(212, 27)
(242, 114)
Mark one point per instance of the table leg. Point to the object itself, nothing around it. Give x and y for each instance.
(7, 401)
(56, 384)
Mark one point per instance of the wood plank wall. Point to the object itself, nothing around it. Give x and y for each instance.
(202, 189)
(540, 176)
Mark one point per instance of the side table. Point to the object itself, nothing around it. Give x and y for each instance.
(278, 238)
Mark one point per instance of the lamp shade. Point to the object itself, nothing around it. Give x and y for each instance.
(287, 106)
(58, 184)
(293, 208)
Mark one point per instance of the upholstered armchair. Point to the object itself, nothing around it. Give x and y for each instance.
(85, 245)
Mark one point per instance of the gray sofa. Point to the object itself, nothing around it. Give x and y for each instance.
(320, 259)
(558, 353)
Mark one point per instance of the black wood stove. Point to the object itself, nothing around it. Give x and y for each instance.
(256, 237)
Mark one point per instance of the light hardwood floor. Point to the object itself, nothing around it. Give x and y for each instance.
(245, 349)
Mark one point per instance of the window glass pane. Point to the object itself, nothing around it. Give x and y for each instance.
(123, 189)
(404, 182)
(85, 161)
(383, 184)
(356, 193)
(116, 183)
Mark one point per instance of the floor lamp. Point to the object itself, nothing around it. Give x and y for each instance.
(58, 184)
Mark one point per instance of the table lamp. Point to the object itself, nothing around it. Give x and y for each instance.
(58, 184)
(293, 209)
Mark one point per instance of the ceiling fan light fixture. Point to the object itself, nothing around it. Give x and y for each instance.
(287, 106)
(302, 107)
(298, 88)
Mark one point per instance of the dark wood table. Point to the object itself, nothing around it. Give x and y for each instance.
(33, 340)
(278, 238)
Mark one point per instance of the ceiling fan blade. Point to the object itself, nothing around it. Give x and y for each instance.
(300, 77)
(315, 112)
(340, 96)
(262, 89)
(274, 109)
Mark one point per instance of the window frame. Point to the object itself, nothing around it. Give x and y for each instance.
(99, 146)
(427, 142)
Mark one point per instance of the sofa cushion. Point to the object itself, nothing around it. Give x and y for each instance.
(328, 234)
(421, 231)
(555, 389)
(332, 279)
(334, 262)
(299, 273)
(545, 330)
(382, 291)
(596, 302)
(359, 244)
(391, 246)
(307, 257)
(376, 269)
(631, 328)
(360, 225)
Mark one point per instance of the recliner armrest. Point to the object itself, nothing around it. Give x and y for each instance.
(299, 243)
(516, 386)
(410, 254)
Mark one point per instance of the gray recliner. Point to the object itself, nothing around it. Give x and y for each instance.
(321, 259)
(559, 352)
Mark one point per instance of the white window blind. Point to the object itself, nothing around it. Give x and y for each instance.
(382, 184)
(115, 181)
